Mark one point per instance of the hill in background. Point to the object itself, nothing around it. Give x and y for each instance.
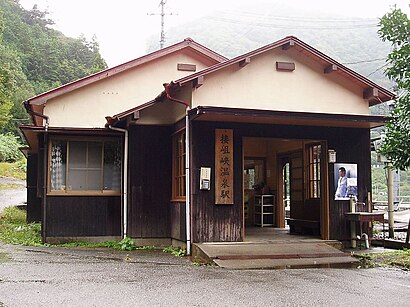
(353, 42)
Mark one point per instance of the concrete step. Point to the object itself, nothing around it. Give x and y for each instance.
(246, 255)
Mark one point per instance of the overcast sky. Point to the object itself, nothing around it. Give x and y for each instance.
(123, 26)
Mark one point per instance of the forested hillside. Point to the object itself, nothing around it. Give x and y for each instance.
(34, 58)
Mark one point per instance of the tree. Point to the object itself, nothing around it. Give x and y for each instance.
(7, 84)
(395, 28)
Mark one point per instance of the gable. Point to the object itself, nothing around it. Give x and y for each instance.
(259, 85)
(87, 106)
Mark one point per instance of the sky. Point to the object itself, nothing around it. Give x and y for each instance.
(122, 27)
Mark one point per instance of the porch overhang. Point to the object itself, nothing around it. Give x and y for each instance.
(253, 116)
(31, 134)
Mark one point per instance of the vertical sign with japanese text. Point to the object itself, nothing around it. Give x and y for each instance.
(224, 166)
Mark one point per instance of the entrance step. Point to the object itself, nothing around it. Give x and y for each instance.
(276, 255)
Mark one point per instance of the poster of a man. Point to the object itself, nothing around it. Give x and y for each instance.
(345, 180)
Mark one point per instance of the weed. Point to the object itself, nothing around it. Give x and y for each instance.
(176, 251)
(126, 244)
(14, 170)
(399, 259)
(10, 186)
(15, 230)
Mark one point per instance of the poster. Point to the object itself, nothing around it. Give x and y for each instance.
(345, 180)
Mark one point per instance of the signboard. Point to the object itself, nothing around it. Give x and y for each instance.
(224, 167)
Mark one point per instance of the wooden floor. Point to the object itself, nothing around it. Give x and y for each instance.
(271, 234)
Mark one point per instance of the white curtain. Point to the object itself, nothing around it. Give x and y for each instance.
(56, 167)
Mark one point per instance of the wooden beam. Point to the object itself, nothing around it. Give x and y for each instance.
(289, 44)
(198, 81)
(285, 66)
(370, 93)
(331, 68)
(244, 62)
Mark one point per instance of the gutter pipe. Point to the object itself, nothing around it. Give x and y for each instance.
(124, 180)
(33, 113)
(187, 167)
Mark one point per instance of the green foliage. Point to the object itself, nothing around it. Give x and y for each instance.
(126, 244)
(9, 148)
(14, 170)
(35, 58)
(176, 251)
(395, 28)
(399, 259)
(15, 230)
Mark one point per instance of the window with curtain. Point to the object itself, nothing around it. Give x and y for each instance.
(85, 166)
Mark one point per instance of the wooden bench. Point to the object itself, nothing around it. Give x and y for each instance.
(304, 226)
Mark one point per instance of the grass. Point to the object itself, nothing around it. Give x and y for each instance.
(14, 170)
(15, 230)
(397, 259)
(10, 186)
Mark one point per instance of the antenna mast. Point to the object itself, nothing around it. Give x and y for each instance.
(162, 40)
(162, 14)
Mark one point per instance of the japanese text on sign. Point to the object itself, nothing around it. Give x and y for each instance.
(224, 166)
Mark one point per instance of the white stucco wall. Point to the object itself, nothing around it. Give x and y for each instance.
(260, 86)
(87, 107)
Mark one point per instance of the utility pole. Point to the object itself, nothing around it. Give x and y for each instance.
(162, 14)
(390, 197)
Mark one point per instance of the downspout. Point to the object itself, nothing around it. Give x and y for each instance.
(33, 114)
(45, 155)
(187, 167)
(124, 180)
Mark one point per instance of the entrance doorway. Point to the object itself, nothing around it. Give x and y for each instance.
(282, 185)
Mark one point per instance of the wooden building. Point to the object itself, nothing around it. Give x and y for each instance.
(189, 160)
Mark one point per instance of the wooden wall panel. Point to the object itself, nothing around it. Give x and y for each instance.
(77, 216)
(177, 221)
(212, 222)
(150, 158)
(352, 146)
(33, 202)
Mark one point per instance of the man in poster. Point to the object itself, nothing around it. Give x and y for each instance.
(341, 191)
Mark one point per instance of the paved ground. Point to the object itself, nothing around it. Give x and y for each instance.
(77, 277)
(41, 276)
(14, 197)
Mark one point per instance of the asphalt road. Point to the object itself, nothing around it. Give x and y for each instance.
(79, 277)
(14, 197)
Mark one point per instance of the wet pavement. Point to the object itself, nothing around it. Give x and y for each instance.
(46, 276)
(50, 276)
(14, 196)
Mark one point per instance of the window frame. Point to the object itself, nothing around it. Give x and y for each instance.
(87, 139)
(313, 173)
(179, 166)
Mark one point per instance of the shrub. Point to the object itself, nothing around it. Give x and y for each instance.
(9, 148)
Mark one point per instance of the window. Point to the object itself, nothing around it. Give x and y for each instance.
(85, 167)
(314, 151)
(178, 165)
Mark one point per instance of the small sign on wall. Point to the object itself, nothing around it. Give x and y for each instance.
(224, 167)
(332, 155)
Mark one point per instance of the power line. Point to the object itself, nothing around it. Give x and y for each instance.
(377, 69)
(364, 61)
(287, 26)
(302, 18)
